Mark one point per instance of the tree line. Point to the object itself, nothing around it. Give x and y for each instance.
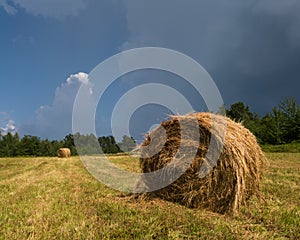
(280, 126)
(11, 145)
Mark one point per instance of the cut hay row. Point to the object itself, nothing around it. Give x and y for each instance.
(234, 177)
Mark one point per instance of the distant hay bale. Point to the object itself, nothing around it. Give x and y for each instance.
(64, 153)
(233, 178)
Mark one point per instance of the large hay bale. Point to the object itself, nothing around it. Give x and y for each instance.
(64, 153)
(234, 176)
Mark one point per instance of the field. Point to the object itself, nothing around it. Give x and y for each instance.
(51, 198)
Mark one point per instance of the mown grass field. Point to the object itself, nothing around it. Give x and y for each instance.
(51, 198)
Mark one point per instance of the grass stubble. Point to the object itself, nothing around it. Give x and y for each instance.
(51, 198)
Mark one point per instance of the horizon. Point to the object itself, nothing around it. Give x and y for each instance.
(13, 131)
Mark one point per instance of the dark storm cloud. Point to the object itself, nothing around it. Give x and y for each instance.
(251, 48)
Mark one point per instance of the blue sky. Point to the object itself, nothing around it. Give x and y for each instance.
(251, 49)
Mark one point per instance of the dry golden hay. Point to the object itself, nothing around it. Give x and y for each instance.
(64, 153)
(234, 176)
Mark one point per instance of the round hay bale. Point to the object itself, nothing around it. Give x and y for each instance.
(234, 176)
(64, 153)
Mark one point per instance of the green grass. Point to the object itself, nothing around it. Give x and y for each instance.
(50, 198)
(288, 148)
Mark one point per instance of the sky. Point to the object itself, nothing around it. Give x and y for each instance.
(48, 49)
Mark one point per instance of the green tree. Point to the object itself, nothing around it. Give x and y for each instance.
(55, 145)
(69, 143)
(239, 112)
(86, 144)
(30, 146)
(270, 128)
(282, 125)
(127, 144)
(290, 125)
(16, 145)
(108, 144)
(46, 148)
(113, 146)
(1, 146)
(9, 145)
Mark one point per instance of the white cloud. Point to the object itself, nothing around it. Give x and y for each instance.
(7, 124)
(81, 77)
(55, 121)
(11, 10)
(47, 8)
(10, 127)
